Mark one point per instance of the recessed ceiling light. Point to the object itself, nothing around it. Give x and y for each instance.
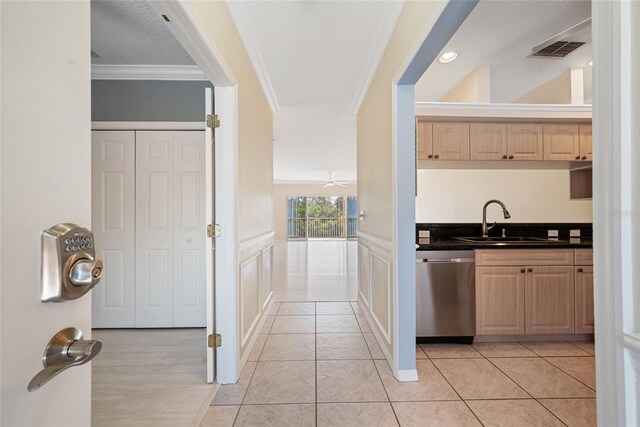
(447, 57)
(590, 63)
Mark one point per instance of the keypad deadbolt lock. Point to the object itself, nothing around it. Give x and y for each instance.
(69, 265)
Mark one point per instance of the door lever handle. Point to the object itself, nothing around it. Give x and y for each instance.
(65, 350)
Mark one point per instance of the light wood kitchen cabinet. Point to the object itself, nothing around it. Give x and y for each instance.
(524, 141)
(450, 141)
(534, 291)
(584, 300)
(549, 300)
(561, 141)
(500, 300)
(488, 141)
(584, 291)
(424, 140)
(586, 145)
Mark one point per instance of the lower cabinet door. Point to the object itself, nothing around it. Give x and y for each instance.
(500, 300)
(549, 300)
(584, 300)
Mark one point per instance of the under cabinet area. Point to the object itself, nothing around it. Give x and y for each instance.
(535, 292)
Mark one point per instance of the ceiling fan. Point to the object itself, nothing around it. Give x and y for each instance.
(331, 183)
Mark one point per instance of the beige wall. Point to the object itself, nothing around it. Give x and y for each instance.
(375, 123)
(554, 91)
(530, 196)
(255, 123)
(281, 191)
(377, 289)
(474, 88)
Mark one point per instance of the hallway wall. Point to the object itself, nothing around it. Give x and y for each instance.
(378, 292)
(281, 191)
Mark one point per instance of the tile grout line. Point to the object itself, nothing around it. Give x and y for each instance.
(515, 382)
(454, 389)
(384, 387)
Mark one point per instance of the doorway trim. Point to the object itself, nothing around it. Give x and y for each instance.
(186, 26)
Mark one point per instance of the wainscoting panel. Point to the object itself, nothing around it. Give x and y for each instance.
(381, 296)
(363, 273)
(249, 296)
(375, 289)
(254, 290)
(267, 263)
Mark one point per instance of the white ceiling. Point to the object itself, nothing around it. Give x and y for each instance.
(130, 32)
(316, 56)
(501, 34)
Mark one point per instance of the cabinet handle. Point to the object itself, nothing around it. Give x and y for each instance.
(504, 157)
(437, 156)
(522, 270)
(430, 156)
(577, 157)
(580, 270)
(530, 270)
(584, 157)
(511, 157)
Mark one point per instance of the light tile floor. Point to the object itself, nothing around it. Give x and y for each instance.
(319, 365)
(315, 270)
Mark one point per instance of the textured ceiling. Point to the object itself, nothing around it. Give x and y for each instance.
(501, 34)
(130, 32)
(316, 55)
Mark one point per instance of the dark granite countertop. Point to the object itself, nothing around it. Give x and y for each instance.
(442, 236)
(449, 244)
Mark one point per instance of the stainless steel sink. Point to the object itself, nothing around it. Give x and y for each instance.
(509, 240)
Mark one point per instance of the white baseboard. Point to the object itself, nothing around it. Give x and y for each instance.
(407, 375)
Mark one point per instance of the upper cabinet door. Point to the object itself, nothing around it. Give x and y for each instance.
(585, 142)
(451, 141)
(524, 141)
(424, 140)
(488, 141)
(561, 141)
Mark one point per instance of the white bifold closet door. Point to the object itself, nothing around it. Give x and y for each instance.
(113, 208)
(149, 220)
(170, 229)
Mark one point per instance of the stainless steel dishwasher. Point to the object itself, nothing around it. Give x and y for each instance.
(446, 297)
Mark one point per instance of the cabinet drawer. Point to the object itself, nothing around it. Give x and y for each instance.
(584, 256)
(500, 257)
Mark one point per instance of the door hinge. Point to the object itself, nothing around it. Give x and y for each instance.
(214, 340)
(213, 230)
(213, 121)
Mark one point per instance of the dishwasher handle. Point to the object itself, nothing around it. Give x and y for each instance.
(446, 261)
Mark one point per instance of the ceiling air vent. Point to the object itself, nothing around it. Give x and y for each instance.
(562, 44)
(559, 49)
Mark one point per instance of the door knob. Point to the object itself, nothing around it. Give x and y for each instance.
(504, 157)
(65, 349)
(86, 272)
(511, 157)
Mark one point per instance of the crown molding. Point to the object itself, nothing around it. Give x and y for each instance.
(147, 72)
(568, 111)
(310, 182)
(380, 46)
(241, 18)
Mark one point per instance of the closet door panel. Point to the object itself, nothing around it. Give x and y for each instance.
(189, 308)
(154, 218)
(113, 199)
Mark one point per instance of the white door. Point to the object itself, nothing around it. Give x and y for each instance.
(189, 305)
(154, 229)
(113, 199)
(45, 172)
(209, 199)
